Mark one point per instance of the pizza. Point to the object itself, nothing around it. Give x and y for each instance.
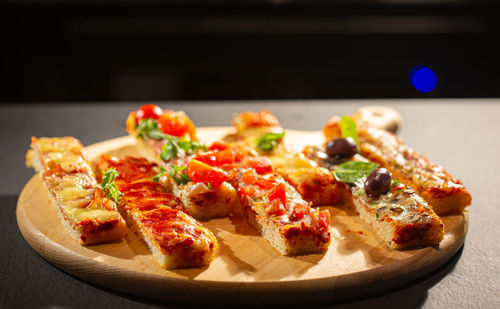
(169, 139)
(445, 193)
(398, 216)
(87, 213)
(175, 238)
(269, 202)
(255, 173)
(208, 181)
(263, 132)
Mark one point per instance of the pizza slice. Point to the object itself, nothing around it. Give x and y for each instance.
(397, 214)
(262, 131)
(169, 139)
(271, 205)
(175, 238)
(90, 216)
(446, 194)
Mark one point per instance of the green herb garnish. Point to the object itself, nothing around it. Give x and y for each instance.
(177, 174)
(162, 172)
(149, 128)
(178, 147)
(351, 171)
(348, 129)
(108, 185)
(375, 203)
(395, 182)
(269, 140)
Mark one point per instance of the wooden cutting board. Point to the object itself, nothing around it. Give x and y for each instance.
(246, 270)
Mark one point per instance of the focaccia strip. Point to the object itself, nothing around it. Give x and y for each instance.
(446, 194)
(315, 184)
(83, 207)
(400, 217)
(175, 239)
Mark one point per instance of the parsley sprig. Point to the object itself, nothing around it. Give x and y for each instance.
(269, 140)
(176, 172)
(108, 185)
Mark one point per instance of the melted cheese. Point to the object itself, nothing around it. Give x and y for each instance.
(82, 214)
(73, 186)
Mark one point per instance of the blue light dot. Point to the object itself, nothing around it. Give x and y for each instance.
(423, 78)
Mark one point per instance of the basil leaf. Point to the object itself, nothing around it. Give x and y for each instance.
(108, 186)
(269, 140)
(348, 129)
(351, 171)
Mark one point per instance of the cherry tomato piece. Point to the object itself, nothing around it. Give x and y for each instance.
(148, 111)
(172, 124)
(276, 208)
(262, 165)
(278, 192)
(202, 172)
(249, 177)
(298, 212)
(324, 219)
(208, 158)
(218, 146)
(248, 190)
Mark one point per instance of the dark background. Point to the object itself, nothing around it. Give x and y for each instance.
(245, 49)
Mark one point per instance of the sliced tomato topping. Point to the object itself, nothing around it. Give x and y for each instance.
(202, 172)
(218, 146)
(276, 208)
(225, 156)
(249, 177)
(299, 211)
(265, 183)
(324, 219)
(278, 192)
(216, 158)
(240, 153)
(208, 158)
(261, 164)
(172, 124)
(148, 111)
(248, 190)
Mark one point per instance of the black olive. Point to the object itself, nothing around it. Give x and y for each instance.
(340, 148)
(378, 182)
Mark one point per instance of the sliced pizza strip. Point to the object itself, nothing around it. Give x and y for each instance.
(399, 216)
(211, 197)
(175, 238)
(169, 139)
(271, 205)
(263, 132)
(84, 208)
(446, 194)
(156, 130)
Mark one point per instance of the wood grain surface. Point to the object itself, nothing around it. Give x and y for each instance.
(246, 267)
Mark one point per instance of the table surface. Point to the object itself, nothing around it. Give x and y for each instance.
(461, 135)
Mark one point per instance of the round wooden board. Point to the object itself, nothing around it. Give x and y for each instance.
(246, 270)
